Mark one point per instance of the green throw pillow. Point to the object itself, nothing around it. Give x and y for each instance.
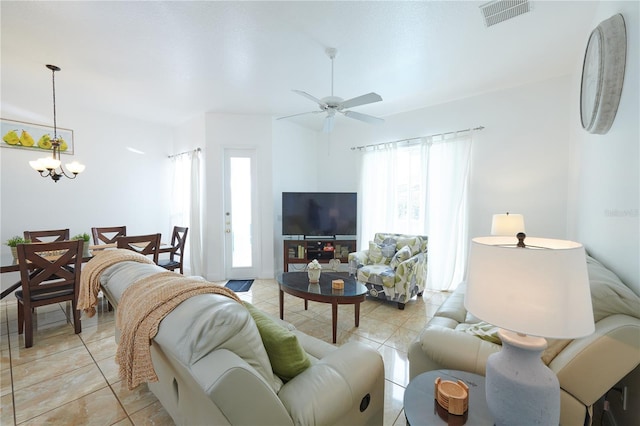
(287, 357)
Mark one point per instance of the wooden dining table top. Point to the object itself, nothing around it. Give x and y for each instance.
(9, 264)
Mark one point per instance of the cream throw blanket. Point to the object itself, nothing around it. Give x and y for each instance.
(142, 306)
(90, 277)
(489, 332)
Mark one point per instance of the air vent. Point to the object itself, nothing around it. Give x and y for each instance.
(498, 11)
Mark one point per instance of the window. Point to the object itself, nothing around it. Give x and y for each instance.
(420, 187)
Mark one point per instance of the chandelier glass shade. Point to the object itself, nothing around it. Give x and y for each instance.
(52, 166)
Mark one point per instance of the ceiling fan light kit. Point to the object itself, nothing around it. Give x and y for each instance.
(332, 104)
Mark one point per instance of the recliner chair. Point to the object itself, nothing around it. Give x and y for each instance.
(586, 367)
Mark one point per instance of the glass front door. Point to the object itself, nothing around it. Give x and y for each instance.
(240, 211)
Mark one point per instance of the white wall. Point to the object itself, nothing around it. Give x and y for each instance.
(296, 167)
(519, 161)
(605, 180)
(237, 131)
(190, 135)
(118, 187)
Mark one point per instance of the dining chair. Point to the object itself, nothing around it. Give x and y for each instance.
(48, 279)
(176, 251)
(48, 236)
(108, 235)
(143, 244)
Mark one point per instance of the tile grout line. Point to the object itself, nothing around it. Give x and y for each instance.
(13, 399)
(106, 380)
(105, 377)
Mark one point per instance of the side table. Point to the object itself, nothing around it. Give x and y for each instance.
(421, 408)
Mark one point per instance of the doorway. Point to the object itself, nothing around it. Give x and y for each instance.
(241, 246)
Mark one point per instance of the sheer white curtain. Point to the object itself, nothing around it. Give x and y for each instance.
(393, 188)
(447, 202)
(186, 206)
(420, 187)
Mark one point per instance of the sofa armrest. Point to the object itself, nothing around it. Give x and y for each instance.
(231, 383)
(413, 266)
(447, 348)
(336, 385)
(357, 259)
(612, 351)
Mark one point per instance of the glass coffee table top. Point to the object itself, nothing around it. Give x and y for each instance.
(299, 281)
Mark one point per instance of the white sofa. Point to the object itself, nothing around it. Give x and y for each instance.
(586, 368)
(213, 368)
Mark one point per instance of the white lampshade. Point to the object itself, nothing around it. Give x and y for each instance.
(541, 290)
(37, 165)
(75, 167)
(507, 224)
(50, 163)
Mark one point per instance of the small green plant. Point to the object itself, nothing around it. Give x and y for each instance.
(84, 237)
(13, 242)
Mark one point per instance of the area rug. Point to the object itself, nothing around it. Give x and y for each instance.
(239, 285)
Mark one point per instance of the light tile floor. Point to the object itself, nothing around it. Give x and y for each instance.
(73, 379)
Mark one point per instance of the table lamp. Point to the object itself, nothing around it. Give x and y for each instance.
(507, 224)
(531, 292)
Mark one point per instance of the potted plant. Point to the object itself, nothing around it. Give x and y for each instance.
(13, 243)
(85, 247)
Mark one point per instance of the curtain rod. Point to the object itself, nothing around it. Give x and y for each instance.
(185, 152)
(359, 148)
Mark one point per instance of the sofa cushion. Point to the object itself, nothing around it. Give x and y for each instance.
(287, 357)
(381, 253)
(609, 296)
(401, 255)
(377, 274)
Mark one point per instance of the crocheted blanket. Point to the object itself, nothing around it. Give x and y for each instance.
(142, 306)
(90, 276)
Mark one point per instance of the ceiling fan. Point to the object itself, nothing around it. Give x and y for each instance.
(332, 104)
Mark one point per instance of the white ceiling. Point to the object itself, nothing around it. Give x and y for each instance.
(171, 61)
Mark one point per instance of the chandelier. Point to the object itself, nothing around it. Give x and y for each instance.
(52, 166)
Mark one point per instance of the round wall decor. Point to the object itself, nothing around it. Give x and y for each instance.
(603, 75)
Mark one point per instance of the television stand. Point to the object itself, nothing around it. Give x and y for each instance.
(324, 249)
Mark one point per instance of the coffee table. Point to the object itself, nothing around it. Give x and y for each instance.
(297, 284)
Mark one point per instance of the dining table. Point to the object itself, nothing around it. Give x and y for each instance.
(9, 264)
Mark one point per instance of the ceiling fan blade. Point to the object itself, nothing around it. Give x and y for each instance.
(312, 98)
(369, 98)
(328, 124)
(363, 117)
(300, 113)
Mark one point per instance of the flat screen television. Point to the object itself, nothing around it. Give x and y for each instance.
(319, 214)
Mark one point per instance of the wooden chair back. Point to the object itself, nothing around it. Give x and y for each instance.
(47, 236)
(176, 252)
(149, 245)
(108, 235)
(50, 273)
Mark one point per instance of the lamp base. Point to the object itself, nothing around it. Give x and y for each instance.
(520, 389)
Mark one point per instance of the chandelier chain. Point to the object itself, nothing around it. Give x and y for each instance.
(55, 127)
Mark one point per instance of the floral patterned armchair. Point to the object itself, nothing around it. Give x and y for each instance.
(394, 267)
